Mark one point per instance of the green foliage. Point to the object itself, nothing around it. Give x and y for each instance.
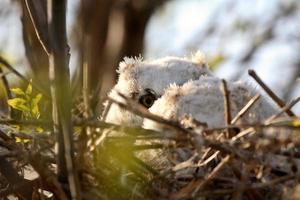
(295, 123)
(26, 102)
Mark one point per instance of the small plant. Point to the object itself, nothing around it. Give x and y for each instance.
(26, 102)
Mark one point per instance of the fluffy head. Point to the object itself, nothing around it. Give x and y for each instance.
(138, 78)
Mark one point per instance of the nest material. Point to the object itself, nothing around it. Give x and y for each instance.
(187, 161)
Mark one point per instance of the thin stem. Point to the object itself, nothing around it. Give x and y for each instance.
(245, 109)
(276, 99)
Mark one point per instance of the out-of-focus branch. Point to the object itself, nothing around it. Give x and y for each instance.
(38, 14)
(35, 33)
(7, 90)
(61, 95)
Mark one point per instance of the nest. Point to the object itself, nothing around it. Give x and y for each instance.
(185, 161)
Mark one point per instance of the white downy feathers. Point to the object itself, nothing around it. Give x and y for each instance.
(136, 77)
(182, 87)
(203, 100)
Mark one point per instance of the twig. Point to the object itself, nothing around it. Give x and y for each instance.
(5, 154)
(284, 109)
(277, 100)
(141, 111)
(106, 109)
(27, 122)
(38, 17)
(87, 114)
(245, 108)
(272, 182)
(144, 165)
(238, 194)
(227, 109)
(243, 133)
(193, 187)
(4, 136)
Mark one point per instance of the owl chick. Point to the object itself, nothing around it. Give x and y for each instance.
(146, 81)
(203, 100)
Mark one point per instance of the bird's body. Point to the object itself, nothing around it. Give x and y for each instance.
(203, 100)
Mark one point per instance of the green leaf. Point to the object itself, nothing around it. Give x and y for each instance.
(29, 89)
(39, 129)
(295, 123)
(19, 140)
(19, 104)
(18, 91)
(34, 105)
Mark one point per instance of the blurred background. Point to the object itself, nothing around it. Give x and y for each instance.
(235, 35)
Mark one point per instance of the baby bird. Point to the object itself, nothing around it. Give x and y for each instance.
(146, 81)
(203, 100)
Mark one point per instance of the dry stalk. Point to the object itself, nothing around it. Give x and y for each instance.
(195, 186)
(283, 110)
(276, 99)
(227, 110)
(38, 18)
(244, 110)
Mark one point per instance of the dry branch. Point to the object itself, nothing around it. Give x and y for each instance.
(276, 99)
(244, 110)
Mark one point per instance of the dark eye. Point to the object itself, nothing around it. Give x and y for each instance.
(148, 99)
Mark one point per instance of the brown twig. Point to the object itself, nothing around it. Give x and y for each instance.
(38, 16)
(227, 110)
(141, 111)
(227, 107)
(283, 110)
(193, 187)
(276, 99)
(244, 110)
